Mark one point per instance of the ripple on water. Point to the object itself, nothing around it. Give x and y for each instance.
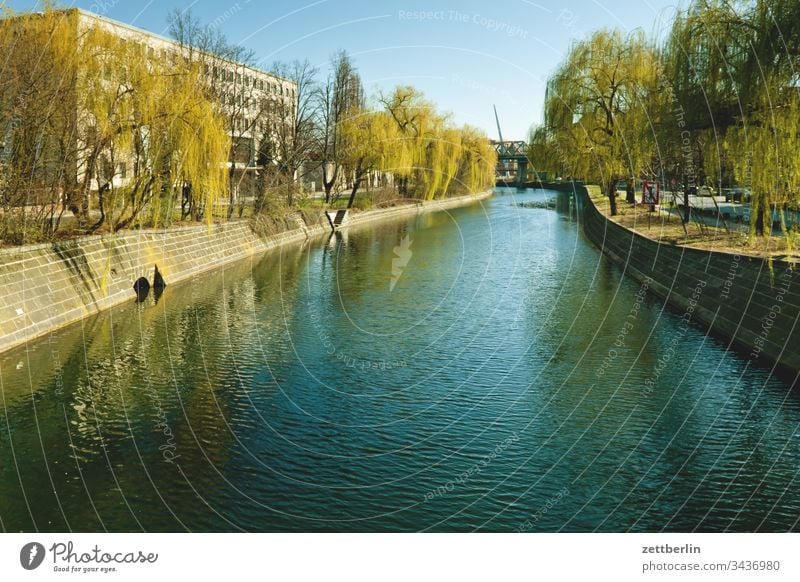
(302, 392)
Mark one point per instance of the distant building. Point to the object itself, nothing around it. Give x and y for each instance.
(253, 101)
(243, 90)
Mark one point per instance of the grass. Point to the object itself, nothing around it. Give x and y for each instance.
(272, 219)
(669, 229)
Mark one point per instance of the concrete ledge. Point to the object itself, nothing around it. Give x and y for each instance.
(751, 303)
(48, 286)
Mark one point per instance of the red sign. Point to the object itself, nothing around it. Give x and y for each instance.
(650, 193)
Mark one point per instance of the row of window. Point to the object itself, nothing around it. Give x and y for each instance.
(223, 73)
(226, 75)
(232, 99)
(250, 125)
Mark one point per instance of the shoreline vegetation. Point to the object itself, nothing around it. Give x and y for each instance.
(94, 273)
(710, 106)
(669, 229)
(103, 135)
(747, 300)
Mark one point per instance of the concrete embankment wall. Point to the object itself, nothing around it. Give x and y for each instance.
(751, 304)
(45, 287)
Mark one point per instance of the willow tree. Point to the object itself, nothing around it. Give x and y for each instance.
(438, 166)
(413, 116)
(765, 144)
(478, 161)
(244, 108)
(88, 113)
(595, 108)
(708, 67)
(146, 125)
(539, 149)
(764, 154)
(433, 157)
(451, 146)
(369, 141)
(37, 156)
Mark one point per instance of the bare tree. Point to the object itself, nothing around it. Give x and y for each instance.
(245, 97)
(342, 94)
(293, 119)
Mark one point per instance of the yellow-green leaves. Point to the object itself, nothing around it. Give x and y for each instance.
(595, 110)
(432, 158)
(151, 115)
(103, 125)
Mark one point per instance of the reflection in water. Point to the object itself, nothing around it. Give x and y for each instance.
(454, 371)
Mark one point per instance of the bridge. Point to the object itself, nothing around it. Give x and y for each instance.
(512, 156)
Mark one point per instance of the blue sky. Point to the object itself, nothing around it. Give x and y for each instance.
(464, 55)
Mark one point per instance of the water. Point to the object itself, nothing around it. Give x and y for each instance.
(304, 391)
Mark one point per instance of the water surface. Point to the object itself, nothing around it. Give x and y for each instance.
(454, 371)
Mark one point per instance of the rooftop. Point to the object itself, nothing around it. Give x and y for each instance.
(142, 31)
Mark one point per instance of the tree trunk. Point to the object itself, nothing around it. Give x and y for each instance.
(356, 183)
(329, 183)
(612, 197)
(101, 205)
(289, 194)
(686, 208)
(760, 221)
(231, 187)
(186, 200)
(630, 191)
(403, 186)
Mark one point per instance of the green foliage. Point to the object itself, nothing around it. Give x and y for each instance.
(150, 114)
(595, 111)
(717, 104)
(432, 158)
(110, 134)
(84, 106)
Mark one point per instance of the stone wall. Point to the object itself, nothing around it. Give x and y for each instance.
(45, 287)
(751, 303)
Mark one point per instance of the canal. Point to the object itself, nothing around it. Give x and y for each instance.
(481, 369)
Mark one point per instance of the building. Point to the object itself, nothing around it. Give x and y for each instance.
(254, 102)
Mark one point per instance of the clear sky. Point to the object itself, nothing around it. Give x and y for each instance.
(465, 55)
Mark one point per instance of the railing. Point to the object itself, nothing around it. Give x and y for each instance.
(511, 149)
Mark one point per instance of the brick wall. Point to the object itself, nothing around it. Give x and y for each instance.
(45, 287)
(751, 304)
